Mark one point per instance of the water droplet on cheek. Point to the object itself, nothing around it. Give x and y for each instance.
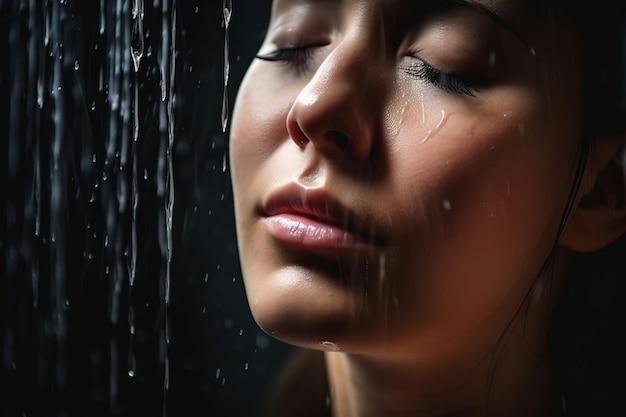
(329, 346)
(436, 129)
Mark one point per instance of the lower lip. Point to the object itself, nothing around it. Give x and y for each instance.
(300, 231)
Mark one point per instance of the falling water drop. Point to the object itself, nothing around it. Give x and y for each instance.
(228, 9)
(137, 39)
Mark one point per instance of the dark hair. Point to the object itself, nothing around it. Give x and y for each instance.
(602, 28)
(587, 340)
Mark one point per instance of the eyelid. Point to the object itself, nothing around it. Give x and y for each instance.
(450, 82)
(298, 59)
(287, 54)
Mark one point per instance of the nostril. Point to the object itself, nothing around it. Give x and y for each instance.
(341, 140)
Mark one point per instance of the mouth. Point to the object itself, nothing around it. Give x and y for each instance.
(312, 219)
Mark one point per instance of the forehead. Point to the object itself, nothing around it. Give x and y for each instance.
(509, 12)
(534, 22)
(506, 7)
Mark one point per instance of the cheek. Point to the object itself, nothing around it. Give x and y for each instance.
(259, 124)
(480, 201)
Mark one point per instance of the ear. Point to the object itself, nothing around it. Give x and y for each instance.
(599, 215)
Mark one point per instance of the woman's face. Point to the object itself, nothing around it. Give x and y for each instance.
(400, 169)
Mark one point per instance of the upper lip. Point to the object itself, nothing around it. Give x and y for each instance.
(318, 204)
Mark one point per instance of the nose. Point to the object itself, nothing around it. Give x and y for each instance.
(338, 110)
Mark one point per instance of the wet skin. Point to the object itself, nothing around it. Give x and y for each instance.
(399, 176)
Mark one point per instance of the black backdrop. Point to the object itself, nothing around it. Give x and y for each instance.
(105, 309)
(85, 212)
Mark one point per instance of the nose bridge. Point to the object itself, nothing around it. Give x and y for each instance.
(343, 94)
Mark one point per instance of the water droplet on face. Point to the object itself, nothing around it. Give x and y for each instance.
(434, 130)
(329, 346)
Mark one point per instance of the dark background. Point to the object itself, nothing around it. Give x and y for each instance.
(77, 339)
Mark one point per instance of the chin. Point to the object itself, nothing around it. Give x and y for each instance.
(306, 308)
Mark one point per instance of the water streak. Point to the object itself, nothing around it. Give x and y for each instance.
(434, 130)
(58, 192)
(137, 40)
(136, 52)
(167, 121)
(227, 9)
(88, 233)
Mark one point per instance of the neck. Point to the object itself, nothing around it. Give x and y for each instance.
(481, 373)
(362, 388)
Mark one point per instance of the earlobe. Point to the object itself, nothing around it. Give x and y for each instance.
(599, 216)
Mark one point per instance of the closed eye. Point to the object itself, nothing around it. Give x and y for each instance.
(297, 57)
(448, 82)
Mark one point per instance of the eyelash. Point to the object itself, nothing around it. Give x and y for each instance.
(299, 59)
(448, 82)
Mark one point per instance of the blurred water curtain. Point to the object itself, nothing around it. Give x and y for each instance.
(88, 183)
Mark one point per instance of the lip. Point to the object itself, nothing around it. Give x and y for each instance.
(312, 219)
